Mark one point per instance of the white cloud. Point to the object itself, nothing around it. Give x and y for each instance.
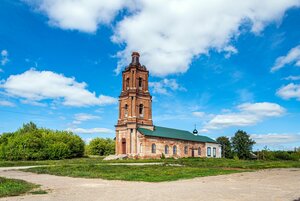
(293, 56)
(6, 103)
(80, 117)
(90, 130)
(82, 15)
(275, 138)
(169, 34)
(199, 114)
(4, 57)
(289, 91)
(37, 86)
(293, 78)
(249, 114)
(163, 86)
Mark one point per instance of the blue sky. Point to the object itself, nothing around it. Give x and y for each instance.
(222, 65)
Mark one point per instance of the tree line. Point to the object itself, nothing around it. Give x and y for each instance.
(240, 146)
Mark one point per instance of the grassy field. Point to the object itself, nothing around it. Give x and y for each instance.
(13, 187)
(153, 173)
(189, 168)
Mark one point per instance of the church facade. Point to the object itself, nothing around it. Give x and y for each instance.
(137, 137)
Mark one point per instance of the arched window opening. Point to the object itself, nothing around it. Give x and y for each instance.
(127, 83)
(166, 149)
(174, 150)
(199, 151)
(126, 110)
(141, 110)
(140, 83)
(141, 148)
(153, 150)
(186, 150)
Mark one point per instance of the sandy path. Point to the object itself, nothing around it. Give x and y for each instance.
(275, 184)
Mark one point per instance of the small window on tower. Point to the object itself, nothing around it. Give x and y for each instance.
(126, 110)
(141, 110)
(140, 82)
(127, 83)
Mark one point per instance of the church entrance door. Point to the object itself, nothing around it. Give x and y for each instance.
(123, 146)
(193, 153)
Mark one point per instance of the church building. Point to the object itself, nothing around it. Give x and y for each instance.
(138, 137)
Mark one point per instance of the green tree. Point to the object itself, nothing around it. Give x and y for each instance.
(101, 146)
(226, 146)
(242, 144)
(33, 143)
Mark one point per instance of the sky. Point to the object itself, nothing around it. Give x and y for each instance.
(221, 65)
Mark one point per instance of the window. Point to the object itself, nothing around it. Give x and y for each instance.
(126, 110)
(141, 148)
(174, 150)
(153, 150)
(127, 83)
(214, 152)
(186, 150)
(140, 82)
(199, 151)
(208, 151)
(141, 110)
(166, 149)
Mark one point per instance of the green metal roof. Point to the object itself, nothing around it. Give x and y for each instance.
(175, 134)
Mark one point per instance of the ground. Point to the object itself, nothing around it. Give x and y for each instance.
(270, 184)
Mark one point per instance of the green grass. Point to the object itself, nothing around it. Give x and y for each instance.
(153, 173)
(95, 167)
(13, 187)
(38, 192)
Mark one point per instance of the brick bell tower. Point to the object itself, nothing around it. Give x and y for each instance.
(134, 107)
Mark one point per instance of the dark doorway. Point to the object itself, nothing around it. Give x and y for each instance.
(193, 153)
(123, 146)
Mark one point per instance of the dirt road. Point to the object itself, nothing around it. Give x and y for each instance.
(275, 184)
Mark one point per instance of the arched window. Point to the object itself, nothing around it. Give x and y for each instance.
(214, 152)
(153, 150)
(199, 151)
(208, 151)
(141, 110)
(174, 150)
(127, 83)
(141, 148)
(166, 149)
(140, 82)
(126, 110)
(186, 149)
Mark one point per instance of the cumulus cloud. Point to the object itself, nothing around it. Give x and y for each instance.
(4, 57)
(37, 86)
(80, 117)
(6, 103)
(165, 85)
(289, 91)
(292, 57)
(248, 114)
(169, 34)
(82, 15)
(90, 130)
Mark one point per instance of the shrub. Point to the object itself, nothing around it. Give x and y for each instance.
(101, 146)
(32, 143)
